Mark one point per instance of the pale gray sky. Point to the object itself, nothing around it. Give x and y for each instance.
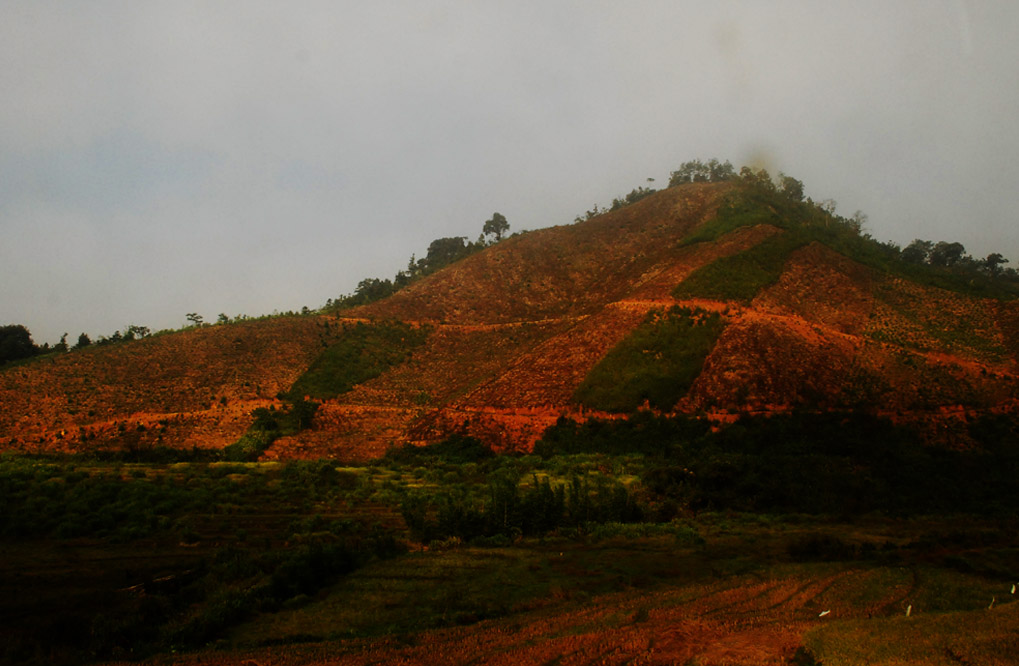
(160, 158)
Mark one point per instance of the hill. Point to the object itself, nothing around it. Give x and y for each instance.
(707, 298)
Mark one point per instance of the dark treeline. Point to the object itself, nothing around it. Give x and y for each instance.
(832, 463)
(953, 256)
(209, 591)
(508, 511)
(16, 342)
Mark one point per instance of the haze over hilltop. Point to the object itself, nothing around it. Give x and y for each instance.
(163, 160)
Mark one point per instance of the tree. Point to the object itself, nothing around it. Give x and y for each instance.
(497, 226)
(133, 332)
(790, 187)
(761, 178)
(594, 212)
(633, 197)
(15, 343)
(858, 222)
(917, 251)
(194, 318)
(83, 341)
(370, 290)
(992, 264)
(693, 171)
(444, 251)
(719, 171)
(946, 254)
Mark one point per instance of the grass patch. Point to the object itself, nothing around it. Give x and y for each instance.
(417, 592)
(269, 425)
(464, 585)
(911, 316)
(742, 276)
(657, 363)
(363, 352)
(749, 207)
(963, 637)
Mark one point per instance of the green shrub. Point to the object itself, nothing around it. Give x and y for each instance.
(250, 446)
(837, 464)
(269, 425)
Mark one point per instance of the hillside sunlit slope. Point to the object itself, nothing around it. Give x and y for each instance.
(597, 318)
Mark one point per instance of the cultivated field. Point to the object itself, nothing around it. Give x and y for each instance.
(311, 563)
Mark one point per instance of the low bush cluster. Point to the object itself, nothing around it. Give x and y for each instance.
(508, 511)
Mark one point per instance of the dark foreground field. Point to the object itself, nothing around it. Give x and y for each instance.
(568, 559)
(736, 599)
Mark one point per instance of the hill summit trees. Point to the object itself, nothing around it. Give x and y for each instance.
(441, 253)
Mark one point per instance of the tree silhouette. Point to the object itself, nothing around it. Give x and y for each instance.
(992, 264)
(497, 226)
(15, 343)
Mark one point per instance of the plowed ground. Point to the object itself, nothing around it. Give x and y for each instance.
(731, 601)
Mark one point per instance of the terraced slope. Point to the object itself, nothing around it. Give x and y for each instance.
(513, 331)
(194, 388)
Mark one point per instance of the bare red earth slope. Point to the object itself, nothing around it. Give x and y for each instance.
(515, 329)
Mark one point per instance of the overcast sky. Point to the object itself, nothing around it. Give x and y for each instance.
(161, 158)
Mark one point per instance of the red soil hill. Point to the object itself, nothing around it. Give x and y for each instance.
(516, 328)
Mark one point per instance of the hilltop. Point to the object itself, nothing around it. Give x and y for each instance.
(706, 299)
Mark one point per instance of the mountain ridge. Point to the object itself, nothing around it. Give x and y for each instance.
(514, 330)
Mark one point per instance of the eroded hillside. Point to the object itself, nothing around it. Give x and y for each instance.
(194, 388)
(807, 321)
